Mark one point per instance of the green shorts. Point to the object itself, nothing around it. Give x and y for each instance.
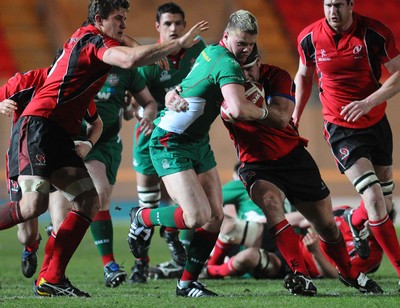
(109, 153)
(141, 153)
(172, 153)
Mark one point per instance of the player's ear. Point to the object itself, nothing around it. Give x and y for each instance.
(98, 20)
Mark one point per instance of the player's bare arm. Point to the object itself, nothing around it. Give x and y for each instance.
(127, 57)
(304, 82)
(356, 109)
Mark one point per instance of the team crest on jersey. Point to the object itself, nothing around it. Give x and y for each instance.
(113, 79)
(357, 51)
(165, 76)
(344, 153)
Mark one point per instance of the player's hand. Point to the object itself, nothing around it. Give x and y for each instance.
(190, 38)
(173, 101)
(82, 148)
(355, 110)
(311, 241)
(7, 107)
(146, 126)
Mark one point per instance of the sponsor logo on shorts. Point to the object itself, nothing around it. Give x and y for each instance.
(344, 153)
(14, 186)
(165, 164)
(40, 160)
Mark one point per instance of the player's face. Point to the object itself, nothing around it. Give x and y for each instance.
(115, 25)
(338, 14)
(171, 26)
(240, 44)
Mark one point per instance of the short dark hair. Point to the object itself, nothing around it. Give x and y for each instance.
(104, 8)
(169, 7)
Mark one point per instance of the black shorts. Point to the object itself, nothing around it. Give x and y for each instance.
(296, 175)
(349, 145)
(39, 147)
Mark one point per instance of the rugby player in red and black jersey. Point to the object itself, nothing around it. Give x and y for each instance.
(347, 51)
(41, 140)
(275, 166)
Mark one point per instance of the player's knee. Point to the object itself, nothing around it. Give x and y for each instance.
(248, 258)
(217, 217)
(197, 217)
(83, 196)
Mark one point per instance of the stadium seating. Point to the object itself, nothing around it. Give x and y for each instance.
(8, 66)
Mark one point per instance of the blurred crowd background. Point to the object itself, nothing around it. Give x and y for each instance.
(32, 30)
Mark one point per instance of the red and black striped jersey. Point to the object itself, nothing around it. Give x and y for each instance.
(349, 65)
(74, 80)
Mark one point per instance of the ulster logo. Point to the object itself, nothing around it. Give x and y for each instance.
(40, 160)
(357, 51)
(344, 153)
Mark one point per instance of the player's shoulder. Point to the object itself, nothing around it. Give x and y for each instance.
(315, 26)
(371, 23)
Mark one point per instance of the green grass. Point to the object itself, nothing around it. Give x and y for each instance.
(85, 271)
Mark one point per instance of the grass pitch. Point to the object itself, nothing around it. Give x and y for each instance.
(86, 272)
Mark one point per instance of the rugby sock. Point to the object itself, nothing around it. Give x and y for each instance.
(102, 232)
(48, 253)
(385, 234)
(169, 216)
(338, 253)
(220, 250)
(288, 244)
(66, 242)
(223, 270)
(10, 215)
(360, 216)
(199, 250)
(34, 246)
(185, 236)
(145, 259)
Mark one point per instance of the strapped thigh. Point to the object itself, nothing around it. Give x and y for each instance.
(77, 188)
(387, 188)
(365, 181)
(244, 232)
(35, 185)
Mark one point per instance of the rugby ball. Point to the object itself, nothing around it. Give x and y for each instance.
(254, 92)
